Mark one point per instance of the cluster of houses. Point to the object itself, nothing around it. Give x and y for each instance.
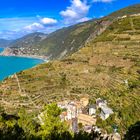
(25, 51)
(81, 115)
(81, 112)
(105, 110)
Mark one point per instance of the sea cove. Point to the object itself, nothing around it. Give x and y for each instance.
(12, 64)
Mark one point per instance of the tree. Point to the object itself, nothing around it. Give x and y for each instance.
(52, 126)
(133, 132)
(28, 124)
(9, 128)
(80, 126)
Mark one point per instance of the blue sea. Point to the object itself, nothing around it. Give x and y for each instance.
(12, 64)
(1, 49)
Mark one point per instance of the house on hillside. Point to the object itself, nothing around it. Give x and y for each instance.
(105, 112)
(63, 116)
(100, 102)
(71, 111)
(84, 101)
(92, 110)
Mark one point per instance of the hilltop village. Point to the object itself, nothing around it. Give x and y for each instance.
(82, 115)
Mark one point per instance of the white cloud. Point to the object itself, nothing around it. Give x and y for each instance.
(34, 27)
(105, 1)
(76, 12)
(48, 21)
(12, 28)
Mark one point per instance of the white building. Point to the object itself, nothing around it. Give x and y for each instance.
(100, 103)
(92, 110)
(105, 112)
(71, 111)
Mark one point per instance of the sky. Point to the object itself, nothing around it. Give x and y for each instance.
(20, 17)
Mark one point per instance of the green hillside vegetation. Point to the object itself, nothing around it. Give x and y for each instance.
(25, 45)
(134, 9)
(127, 29)
(25, 126)
(60, 43)
(68, 40)
(107, 67)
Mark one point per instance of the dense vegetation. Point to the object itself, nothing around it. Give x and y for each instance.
(26, 126)
(68, 40)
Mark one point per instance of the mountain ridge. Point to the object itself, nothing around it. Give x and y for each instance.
(66, 41)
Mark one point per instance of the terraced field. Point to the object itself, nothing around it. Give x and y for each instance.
(107, 67)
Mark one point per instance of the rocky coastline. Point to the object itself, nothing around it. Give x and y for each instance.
(9, 52)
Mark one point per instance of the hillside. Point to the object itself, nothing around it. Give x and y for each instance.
(69, 40)
(25, 45)
(107, 67)
(58, 44)
(66, 41)
(134, 9)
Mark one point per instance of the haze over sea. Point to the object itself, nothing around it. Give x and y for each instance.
(11, 64)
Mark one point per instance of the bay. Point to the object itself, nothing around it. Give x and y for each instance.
(12, 64)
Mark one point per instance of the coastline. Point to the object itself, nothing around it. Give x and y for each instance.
(43, 58)
(7, 52)
(38, 58)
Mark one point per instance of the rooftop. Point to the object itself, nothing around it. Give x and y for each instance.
(107, 110)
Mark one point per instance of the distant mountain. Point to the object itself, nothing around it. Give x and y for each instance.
(66, 41)
(28, 40)
(26, 44)
(58, 44)
(4, 43)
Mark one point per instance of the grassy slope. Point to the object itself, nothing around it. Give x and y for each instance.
(67, 40)
(134, 9)
(99, 70)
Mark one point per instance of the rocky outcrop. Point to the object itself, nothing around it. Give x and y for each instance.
(7, 52)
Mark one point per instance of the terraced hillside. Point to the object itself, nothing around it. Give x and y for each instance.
(107, 67)
(134, 9)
